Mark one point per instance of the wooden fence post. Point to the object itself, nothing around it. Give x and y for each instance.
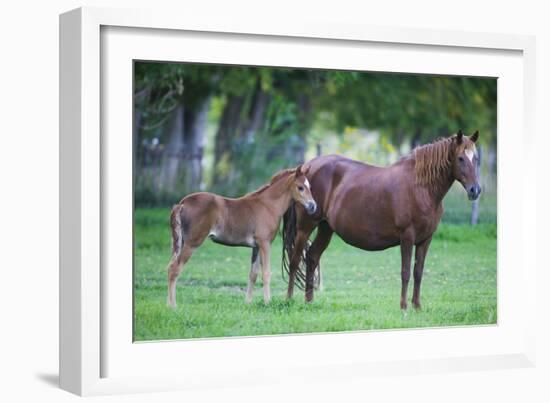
(475, 204)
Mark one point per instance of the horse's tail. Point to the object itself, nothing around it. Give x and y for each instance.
(177, 230)
(289, 237)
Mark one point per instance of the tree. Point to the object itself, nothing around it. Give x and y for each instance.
(263, 125)
(417, 108)
(263, 117)
(171, 104)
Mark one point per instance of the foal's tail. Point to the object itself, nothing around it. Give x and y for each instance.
(289, 237)
(177, 230)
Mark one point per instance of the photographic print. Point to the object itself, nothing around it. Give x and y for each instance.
(276, 200)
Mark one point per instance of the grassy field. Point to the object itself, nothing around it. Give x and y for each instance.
(361, 289)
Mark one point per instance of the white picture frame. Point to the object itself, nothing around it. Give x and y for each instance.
(94, 343)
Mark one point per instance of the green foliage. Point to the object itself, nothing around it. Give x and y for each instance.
(160, 87)
(305, 107)
(413, 107)
(361, 289)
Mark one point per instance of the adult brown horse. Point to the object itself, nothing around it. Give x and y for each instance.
(251, 220)
(376, 208)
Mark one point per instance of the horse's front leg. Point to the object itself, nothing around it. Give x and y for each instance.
(420, 256)
(254, 269)
(265, 250)
(406, 255)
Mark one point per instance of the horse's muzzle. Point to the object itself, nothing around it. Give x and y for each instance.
(474, 191)
(311, 207)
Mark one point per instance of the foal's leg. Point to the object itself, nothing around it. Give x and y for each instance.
(324, 234)
(174, 269)
(406, 254)
(254, 269)
(265, 249)
(420, 255)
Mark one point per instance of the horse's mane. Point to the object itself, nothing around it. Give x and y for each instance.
(432, 161)
(275, 178)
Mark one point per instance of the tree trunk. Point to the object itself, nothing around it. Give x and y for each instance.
(257, 113)
(398, 139)
(304, 124)
(195, 129)
(241, 121)
(172, 156)
(229, 126)
(415, 140)
(181, 165)
(491, 164)
(475, 204)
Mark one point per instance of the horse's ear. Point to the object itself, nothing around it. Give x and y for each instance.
(475, 136)
(306, 170)
(298, 171)
(459, 135)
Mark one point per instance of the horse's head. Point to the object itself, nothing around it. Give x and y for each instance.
(301, 190)
(465, 163)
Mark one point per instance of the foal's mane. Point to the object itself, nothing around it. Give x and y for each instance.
(432, 161)
(275, 178)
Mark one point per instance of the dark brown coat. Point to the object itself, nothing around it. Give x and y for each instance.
(375, 208)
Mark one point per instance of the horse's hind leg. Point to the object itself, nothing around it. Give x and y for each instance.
(321, 242)
(420, 256)
(254, 269)
(174, 270)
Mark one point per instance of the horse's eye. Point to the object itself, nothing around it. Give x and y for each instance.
(461, 159)
(301, 188)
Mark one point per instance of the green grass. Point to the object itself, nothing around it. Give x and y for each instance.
(361, 289)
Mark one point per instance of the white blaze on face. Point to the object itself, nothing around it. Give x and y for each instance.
(306, 182)
(470, 152)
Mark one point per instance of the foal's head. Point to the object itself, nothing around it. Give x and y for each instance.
(465, 163)
(300, 190)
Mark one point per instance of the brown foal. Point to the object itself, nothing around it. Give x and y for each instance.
(375, 208)
(251, 221)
